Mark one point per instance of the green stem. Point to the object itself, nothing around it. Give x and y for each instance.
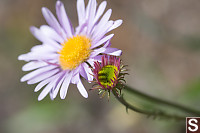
(154, 114)
(161, 101)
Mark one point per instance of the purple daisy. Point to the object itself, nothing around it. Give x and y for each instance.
(66, 54)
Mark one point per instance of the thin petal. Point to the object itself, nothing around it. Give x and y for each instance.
(43, 38)
(92, 12)
(58, 84)
(46, 81)
(36, 72)
(103, 21)
(42, 84)
(51, 94)
(75, 78)
(46, 90)
(57, 80)
(48, 31)
(81, 89)
(76, 71)
(43, 76)
(116, 24)
(65, 85)
(63, 18)
(44, 48)
(88, 72)
(96, 58)
(107, 44)
(102, 33)
(91, 61)
(51, 20)
(103, 40)
(81, 11)
(39, 57)
(83, 73)
(88, 9)
(97, 52)
(33, 65)
(113, 51)
(100, 11)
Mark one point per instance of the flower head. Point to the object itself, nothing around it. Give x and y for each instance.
(109, 74)
(66, 53)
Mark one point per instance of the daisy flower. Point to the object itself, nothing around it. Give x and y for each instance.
(109, 74)
(66, 53)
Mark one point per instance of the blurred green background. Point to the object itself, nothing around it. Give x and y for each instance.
(160, 40)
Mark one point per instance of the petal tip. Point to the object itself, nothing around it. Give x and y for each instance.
(40, 98)
(85, 96)
(120, 21)
(62, 95)
(43, 9)
(33, 29)
(22, 79)
(59, 3)
(20, 57)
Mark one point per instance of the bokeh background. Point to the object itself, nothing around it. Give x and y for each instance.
(160, 40)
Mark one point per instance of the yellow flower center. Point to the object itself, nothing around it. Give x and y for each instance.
(75, 51)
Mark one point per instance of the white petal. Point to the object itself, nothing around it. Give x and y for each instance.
(63, 18)
(97, 52)
(91, 61)
(36, 72)
(43, 76)
(82, 90)
(100, 11)
(88, 71)
(113, 51)
(46, 81)
(42, 84)
(43, 38)
(33, 65)
(92, 12)
(52, 82)
(81, 11)
(65, 85)
(87, 9)
(116, 24)
(103, 21)
(44, 48)
(57, 80)
(46, 90)
(49, 32)
(75, 78)
(51, 20)
(107, 44)
(22, 57)
(82, 73)
(116, 53)
(103, 40)
(38, 56)
(99, 34)
(59, 83)
(51, 94)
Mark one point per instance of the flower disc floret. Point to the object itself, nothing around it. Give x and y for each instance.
(75, 51)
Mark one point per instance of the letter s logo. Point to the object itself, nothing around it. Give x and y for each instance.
(193, 125)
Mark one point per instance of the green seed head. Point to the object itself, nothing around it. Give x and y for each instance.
(107, 76)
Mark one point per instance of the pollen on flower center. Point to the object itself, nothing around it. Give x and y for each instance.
(75, 51)
(108, 75)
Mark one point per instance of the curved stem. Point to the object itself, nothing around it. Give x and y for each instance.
(161, 101)
(154, 114)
